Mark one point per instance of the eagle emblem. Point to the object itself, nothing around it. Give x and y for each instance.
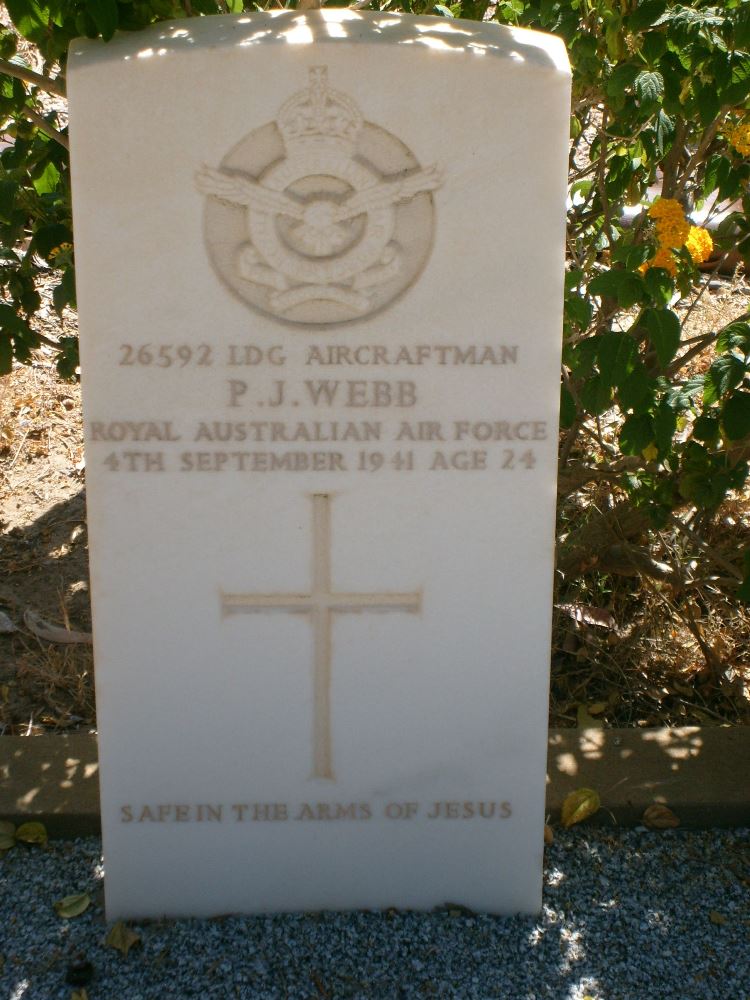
(319, 217)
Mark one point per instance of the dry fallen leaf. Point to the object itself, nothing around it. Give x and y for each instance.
(73, 906)
(122, 937)
(585, 614)
(717, 918)
(579, 805)
(549, 836)
(79, 995)
(32, 833)
(53, 633)
(660, 817)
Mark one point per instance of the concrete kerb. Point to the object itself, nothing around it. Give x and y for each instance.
(701, 773)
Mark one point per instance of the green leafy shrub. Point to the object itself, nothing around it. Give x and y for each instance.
(658, 127)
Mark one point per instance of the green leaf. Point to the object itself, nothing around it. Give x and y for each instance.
(724, 374)
(665, 425)
(718, 170)
(12, 325)
(736, 335)
(567, 408)
(607, 283)
(577, 310)
(664, 130)
(65, 293)
(47, 181)
(32, 833)
(631, 291)
(738, 90)
(706, 428)
(122, 938)
(705, 477)
(690, 20)
(649, 86)
(664, 332)
(646, 14)
(30, 18)
(621, 78)
(596, 395)
(67, 358)
(105, 16)
(636, 434)
(626, 287)
(583, 355)
(631, 255)
(616, 357)
(742, 27)
(579, 805)
(658, 285)
(637, 391)
(735, 416)
(47, 238)
(73, 906)
(8, 43)
(8, 193)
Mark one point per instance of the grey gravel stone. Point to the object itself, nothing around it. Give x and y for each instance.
(627, 915)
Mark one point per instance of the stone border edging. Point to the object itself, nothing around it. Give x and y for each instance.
(699, 772)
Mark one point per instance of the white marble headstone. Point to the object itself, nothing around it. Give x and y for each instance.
(320, 270)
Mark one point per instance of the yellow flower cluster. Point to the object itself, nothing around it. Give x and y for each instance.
(672, 227)
(699, 244)
(739, 136)
(662, 258)
(56, 251)
(674, 231)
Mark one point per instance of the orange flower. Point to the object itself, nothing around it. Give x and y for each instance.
(662, 258)
(672, 228)
(739, 136)
(666, 208)
(699, 244)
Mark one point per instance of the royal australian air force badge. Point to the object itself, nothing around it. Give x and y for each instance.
(319, 217)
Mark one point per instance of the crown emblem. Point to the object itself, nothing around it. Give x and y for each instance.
(331, 230)
(319, 113)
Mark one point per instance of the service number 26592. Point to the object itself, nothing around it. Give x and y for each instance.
(166, 355)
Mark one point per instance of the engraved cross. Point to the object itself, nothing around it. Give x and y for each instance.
(321, 604)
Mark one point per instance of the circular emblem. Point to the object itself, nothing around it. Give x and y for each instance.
(318, 217)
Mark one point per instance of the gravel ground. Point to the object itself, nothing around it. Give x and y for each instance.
(627, 915)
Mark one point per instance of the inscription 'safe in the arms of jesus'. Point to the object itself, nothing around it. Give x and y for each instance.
(319, 217)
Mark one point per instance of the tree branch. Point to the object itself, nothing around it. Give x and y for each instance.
(29, 76)
(708, 137)
(688, 356)
(44, 126)
(709, 550)
(673, 159)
